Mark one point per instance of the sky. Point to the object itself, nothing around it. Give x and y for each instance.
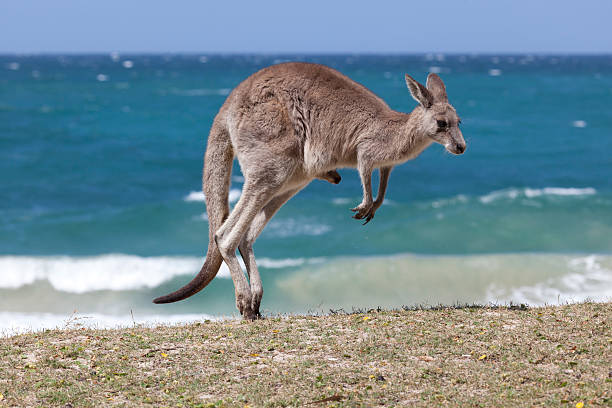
(313, 26)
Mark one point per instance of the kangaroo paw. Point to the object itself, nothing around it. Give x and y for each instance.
(362, 211)
(334, 176)
(331, 176)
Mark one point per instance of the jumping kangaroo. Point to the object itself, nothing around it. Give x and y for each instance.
(291, 123)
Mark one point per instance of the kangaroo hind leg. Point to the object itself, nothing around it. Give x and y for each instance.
(246, 245)
(259, 188)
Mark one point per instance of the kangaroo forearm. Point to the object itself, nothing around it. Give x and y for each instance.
(366, 182)
(382, 187)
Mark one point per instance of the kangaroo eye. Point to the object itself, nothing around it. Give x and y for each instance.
(442, 124)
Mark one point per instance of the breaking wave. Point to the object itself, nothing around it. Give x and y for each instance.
(393, 281)
(115, 272)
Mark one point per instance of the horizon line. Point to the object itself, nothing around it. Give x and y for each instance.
(294, 53)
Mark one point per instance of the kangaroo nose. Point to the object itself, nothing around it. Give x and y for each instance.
(460, 148)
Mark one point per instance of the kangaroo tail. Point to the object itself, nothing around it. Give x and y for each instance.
(216, 183)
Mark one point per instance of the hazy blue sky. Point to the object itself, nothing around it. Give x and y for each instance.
(314, 26)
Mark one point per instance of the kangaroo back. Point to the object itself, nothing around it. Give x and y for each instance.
(215, 184)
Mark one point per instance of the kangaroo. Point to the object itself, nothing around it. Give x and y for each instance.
(331, 176)
(288, 124)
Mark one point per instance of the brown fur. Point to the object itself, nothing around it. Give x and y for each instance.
(288, 124)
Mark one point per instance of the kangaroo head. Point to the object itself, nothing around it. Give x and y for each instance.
(439, 120)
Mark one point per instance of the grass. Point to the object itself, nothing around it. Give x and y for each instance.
(469, 357)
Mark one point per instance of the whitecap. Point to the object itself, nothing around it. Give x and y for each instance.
(234, 195)
(268, 263)
(283, 228)
(341, 201)
(495, 72)
(443, 202)
(194, 196)
(513, 193)
(579, 124)
(127, 64)
(560, 191)
(102, 77)
(13, 66)
(114, 56)
(201, 92)
(114, 272)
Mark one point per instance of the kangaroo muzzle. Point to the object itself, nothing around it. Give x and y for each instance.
(456, 144)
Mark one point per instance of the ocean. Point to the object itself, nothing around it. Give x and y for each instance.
(101, 207)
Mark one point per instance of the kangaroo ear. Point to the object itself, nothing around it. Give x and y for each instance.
(419, 92)
(436, 87)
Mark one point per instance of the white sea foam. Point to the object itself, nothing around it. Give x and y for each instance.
(195, 196)
(341, 201)
(103, 272)
(114, 272)
(283, 228)
(513, 193)
(201, 92)
(13, 66)
(495, 72)
(127, 64)
(12, 323)
(579, 124)
(586, 278)
(234, 195)
(345, 201)
(392, 281)
(287, 262)
(102, 77)
(443, 202)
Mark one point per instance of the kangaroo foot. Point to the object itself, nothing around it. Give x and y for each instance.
(243, 303)
(255, 306)
(251, 315)
(331, 176)
(364, 211)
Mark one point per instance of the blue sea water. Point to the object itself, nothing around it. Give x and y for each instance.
(101, 209)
